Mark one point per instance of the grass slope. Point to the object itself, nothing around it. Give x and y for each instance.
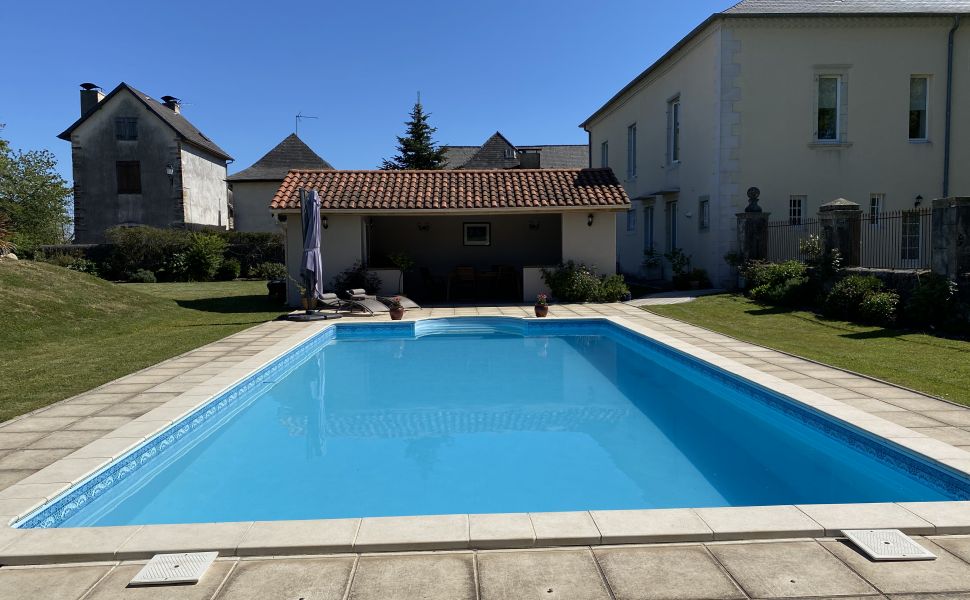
(922, 362)
(63, 332)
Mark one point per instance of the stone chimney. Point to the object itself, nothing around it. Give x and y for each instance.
(172, 103)
(91, 94)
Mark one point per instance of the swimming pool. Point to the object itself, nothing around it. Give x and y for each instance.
(490, 415)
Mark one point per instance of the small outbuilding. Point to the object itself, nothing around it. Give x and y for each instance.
(470, 234)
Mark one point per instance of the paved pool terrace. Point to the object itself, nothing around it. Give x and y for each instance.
(44, 452)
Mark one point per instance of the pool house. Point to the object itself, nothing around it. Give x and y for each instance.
(471, 235)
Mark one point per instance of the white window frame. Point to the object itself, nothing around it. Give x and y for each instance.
(877, 204)
(648, 240)
(796, 212)
(605, 154)
(704, 213)
(670, 216)
(631, 152)
(674, 149)
(926, 109)
(911, 234)
(839, 114)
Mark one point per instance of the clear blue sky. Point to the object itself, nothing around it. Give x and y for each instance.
(531, 69)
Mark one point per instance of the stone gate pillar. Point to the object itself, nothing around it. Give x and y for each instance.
(951, 237)
(753, 229)
(840, 222)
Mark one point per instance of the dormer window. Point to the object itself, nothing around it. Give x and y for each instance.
(126, 128)
(510, 153)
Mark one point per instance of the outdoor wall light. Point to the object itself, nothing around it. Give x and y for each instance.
(589, 220)
(424, 226)
(533, 224)
(281, 218)
(918, 201)
(170, 171)
(325, 222)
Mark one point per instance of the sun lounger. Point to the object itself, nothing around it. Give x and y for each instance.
(332, 302)
(360, 294)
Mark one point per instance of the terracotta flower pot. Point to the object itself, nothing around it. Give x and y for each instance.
(542, 310)
(310, 304)
(397, 313)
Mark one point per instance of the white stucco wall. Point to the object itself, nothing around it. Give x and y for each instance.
(693, 76)
(877, 58)
(250, 201)
(747, 89)
(594, 245)
(204, 192)
(340, 249)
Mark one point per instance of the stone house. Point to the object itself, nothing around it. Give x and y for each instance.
(139, 161)
(253, 188)
(499, 153)
(808, 100)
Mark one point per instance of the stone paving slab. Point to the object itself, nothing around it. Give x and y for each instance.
(810, 569)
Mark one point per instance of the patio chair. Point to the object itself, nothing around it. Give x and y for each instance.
(333, 302)
(361, 294)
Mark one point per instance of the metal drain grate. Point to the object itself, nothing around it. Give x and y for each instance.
(887, 544)
(166, 569)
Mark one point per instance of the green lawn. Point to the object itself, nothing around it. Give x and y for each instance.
(922, 362)
(62, 332)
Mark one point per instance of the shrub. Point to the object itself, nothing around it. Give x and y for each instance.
(933, 302)
(175, 268)
(72, 261)
(357, 276)
(144, 248)
(252, 249)
(204, 256)
(613, 288)
(879, 308)
(142, 276)
(270, 271)
(228, 270)
(848, 294)
(6, 235)
(782, 284)
(571, 282)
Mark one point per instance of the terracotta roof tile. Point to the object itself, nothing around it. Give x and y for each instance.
(454, 190)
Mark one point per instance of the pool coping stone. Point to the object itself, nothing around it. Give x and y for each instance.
(458, 532)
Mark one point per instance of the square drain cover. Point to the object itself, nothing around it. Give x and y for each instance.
(887, 544)
(165, 569)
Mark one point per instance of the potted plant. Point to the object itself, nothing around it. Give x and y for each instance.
(397, 310)
(651, 263)
(308, 303)
(542, 305)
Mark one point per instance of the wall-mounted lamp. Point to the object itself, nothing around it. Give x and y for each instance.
(589, 220)
(281, 218)
(170, 171)
(325, 222)
(918, 201)
(533, 224)
(424, 226)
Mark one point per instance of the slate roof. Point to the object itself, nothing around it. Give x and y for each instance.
(492, 155)
(812, 8)
(831, 7)
(186, 130)
(291, 153)
(455, 189)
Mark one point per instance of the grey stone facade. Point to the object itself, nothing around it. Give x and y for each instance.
(138, 161)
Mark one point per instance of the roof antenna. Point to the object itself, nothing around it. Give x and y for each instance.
(299, 116)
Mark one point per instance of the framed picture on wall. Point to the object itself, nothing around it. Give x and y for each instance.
(478, 234)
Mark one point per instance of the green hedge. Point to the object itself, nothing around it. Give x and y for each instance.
(571, 282)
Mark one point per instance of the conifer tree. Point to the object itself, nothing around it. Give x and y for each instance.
(417, 149)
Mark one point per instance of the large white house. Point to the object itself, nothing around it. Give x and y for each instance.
(809, 100)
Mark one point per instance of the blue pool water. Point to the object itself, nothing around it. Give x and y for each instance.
(480, 416)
